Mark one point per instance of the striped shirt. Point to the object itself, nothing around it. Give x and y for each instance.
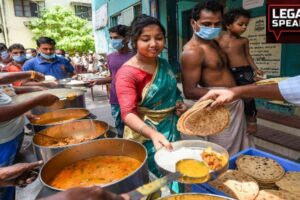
(290, 90)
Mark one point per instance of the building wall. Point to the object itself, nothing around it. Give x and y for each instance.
(17, 31)
(116, 6)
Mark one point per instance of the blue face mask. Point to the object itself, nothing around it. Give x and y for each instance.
(59, 55)
(29, 56)
(19, 59)
(48, 57)
(117, 44)
(4, 55)
(208, 33)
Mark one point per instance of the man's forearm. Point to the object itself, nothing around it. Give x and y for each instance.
(103, 81)
(9, 112)
(258, 91)
(10, 77)
(195, 93)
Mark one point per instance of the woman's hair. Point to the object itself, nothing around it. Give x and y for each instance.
(139, 23)
(231, 16)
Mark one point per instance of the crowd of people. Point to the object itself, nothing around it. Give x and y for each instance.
(144, 97)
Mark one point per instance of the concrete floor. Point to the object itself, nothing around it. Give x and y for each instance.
(99, 107)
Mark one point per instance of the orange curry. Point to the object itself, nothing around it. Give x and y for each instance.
(98, 170)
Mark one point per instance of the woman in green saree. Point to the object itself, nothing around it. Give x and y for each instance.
(147, 90)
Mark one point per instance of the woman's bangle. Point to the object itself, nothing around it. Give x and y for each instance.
(32, 75)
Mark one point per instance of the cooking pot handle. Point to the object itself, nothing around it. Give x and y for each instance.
(92, 116)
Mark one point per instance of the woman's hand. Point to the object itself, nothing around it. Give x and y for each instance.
(159, 141)
(180, 108)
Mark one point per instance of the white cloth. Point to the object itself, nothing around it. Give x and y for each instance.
(234, 138)
(12, 128)
(290, 90)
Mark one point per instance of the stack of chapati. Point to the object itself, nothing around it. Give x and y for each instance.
(290, 183)
(200, 121)
(275, 195)
(265, 171)
(237, 185)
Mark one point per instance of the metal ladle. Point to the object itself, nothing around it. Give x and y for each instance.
(183, 172)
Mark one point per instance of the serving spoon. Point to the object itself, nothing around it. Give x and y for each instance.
(186, 171)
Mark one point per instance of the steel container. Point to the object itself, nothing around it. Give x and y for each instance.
(68, 98)
(113, 147)
(78, 129)
(57, 117)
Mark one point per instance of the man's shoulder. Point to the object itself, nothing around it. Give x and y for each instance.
(31, 62)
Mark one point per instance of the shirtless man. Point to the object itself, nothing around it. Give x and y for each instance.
(205, 64)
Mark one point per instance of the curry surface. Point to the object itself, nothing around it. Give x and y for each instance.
(98, 170)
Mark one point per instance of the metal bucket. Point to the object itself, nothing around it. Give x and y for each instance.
(82, 128)
(194, 196)
(57, 117)
(114, 147)
(77, 102)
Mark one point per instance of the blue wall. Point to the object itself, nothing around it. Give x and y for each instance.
(116, 6)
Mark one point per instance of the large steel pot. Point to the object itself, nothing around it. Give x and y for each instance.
(57, 117)
(195, 196)
(114, 147)
(76, 101)
(93, 129)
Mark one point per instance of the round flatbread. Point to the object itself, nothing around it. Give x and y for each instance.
(237, 184)
(199, 121)
(270, 81)
(290, 182)
(275, 195)
(264, 170)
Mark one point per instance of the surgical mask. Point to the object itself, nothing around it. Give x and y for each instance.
(117, 44)
(28, 56)
(59, 55)
(48, 57)
(19, 59)
(4, 55)
(208, 33)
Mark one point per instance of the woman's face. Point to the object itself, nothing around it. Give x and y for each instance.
(151, 42)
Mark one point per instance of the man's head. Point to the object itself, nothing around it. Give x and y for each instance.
(17, 53)
(30, 53)
(60, 52)
(4, 55)
(119, 36)
(207, 19)
(236, 21)
(46, 47)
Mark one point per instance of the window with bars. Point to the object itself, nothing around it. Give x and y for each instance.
(84, 12)
(26, 8)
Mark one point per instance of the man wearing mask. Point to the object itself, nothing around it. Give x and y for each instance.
(4, 56)
(47, 63)
(17, 53)
(119, 36)
(203, 63)
(30, 53)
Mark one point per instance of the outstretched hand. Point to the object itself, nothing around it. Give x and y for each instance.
(220, 96)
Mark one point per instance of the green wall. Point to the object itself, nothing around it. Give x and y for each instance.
(116, 6)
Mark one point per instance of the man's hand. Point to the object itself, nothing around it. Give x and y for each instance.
(47, 99)
(50, 84)
(39, 77)
(90, 193)
(19, 174)
(38, 88)
(220, 96)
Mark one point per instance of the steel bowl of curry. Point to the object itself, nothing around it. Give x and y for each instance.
(118, 165)
(213, 156)
(57, 117)
(54, 139)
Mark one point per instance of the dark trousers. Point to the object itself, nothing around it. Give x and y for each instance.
(245, 76)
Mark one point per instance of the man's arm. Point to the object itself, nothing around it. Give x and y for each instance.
(223, 96)
(26, 89)
(10, 77)
(191, 62)
(11, 111)
(69, 68)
